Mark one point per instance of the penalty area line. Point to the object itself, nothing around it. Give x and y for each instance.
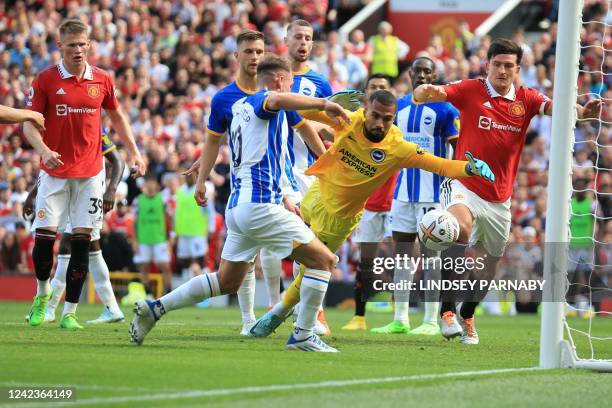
(279, 387)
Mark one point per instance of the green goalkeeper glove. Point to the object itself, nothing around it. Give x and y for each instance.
(349, 99)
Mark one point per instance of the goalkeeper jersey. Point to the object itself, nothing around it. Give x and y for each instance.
(354, 167)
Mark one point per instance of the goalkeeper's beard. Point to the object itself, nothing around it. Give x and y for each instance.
(374, 137)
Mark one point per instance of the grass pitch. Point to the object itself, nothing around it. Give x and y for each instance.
(196, 357)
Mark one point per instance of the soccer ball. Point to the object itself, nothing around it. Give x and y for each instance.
(438, 230)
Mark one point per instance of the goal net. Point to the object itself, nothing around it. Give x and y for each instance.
(577, 300)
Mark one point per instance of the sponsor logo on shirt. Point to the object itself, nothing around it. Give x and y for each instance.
(486, 123)
(64, 110)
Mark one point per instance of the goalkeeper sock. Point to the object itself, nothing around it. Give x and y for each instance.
(191, 292)
(272, 274)
(246, 297)
(100, 274)
(292, 295)
(313, 288)
(58, 283)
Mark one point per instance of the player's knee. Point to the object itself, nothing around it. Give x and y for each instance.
(79, 248)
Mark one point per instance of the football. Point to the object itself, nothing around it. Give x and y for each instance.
(438, 230)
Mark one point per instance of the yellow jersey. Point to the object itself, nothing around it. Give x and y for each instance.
(354, 167)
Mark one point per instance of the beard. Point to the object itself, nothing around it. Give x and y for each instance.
(373, 137)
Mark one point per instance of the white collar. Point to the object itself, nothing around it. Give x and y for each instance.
(65, 74)
(511, 95)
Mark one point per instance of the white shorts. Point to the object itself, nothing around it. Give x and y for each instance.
(492, 221)
(405, 216)
(158, 253)
(95, 233)
(76, 199)
(252, 226)
(191, 247)
(373, 227)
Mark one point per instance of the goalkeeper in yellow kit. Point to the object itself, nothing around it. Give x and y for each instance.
(364, 154)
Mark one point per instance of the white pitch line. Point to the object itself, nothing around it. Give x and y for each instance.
(267, 388)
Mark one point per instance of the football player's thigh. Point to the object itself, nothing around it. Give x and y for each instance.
(51, 202)
(86, 202)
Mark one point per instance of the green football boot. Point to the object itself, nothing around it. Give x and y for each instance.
(426, 329)
(37, 312)
(395, 327)
(69, 321)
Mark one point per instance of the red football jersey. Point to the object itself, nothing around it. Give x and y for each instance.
(493, 128)
(380, 200)
(72, 111)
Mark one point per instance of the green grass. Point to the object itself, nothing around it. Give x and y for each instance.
(200, 349)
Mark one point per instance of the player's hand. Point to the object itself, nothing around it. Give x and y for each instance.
(591, 109)
(200, 194)
(28, 207)
(292, 207)
(38, 120)
(430, 93)
(108, 200)
(137, 166)
(51, 159)
(195, 168)
(337, 112)
(478, 167)
(349, 99)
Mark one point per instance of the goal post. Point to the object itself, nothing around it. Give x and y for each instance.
(555, 350)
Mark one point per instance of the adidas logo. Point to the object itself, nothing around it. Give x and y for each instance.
(487, 104)
(60, 92)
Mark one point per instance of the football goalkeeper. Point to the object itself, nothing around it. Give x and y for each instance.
(364, 154)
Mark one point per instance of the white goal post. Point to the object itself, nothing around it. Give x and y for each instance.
(555, 351)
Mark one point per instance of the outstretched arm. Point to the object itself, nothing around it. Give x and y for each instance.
(12, 115)
(297, 102)
(311, 138)
(429, 93)
(451, 168)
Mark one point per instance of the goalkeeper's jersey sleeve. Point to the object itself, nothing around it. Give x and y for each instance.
(354, 166)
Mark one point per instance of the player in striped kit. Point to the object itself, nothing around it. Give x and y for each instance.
(255, 215)
(307, 82)
(431, 126)
(250, 51)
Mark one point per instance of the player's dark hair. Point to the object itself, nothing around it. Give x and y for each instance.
(383, 97)
(72, 26)
(272, 63)
(433, 64)
(379, 76)
(249, 35)
(298, 23)
(504, 46)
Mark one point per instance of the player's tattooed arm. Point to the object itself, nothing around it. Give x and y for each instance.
(122, 126)
(117, 165)
(590, 110)
(28, 205)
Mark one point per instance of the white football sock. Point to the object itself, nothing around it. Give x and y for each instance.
(100, 274)
(58, 283)
(191, 292)
(43, 288)
(401, 297)
(272, 268)
(432, 297)
(246, 297)
(69, 308)
(312, 292)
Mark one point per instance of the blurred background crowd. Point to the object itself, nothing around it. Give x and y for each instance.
(169, 57)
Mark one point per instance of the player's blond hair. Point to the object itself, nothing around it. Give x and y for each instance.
(72, 26)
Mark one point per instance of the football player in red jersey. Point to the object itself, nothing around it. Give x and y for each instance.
(71, 95)
(494, 118)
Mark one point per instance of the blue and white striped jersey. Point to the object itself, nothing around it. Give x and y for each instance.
(429, 125)
(257, 141)
(309, 83)
(221, 107)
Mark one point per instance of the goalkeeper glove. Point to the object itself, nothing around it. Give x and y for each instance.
(476, 167)
(349, 99)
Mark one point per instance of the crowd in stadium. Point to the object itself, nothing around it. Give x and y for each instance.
(170, 57)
